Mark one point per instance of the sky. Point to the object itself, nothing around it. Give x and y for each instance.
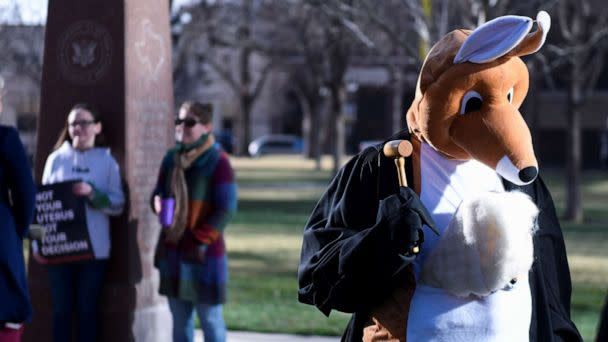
(34, 11)
(30, 11)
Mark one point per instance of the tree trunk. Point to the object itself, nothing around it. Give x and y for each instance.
(397, 102)
(338, 129)
(530, 108)
(245, 129)
(315, 134)
(246, 101)
(311, 131)
(574, 209)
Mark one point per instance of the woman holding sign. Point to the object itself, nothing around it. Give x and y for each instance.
(77, 156)
(195, 197)
(17, 193)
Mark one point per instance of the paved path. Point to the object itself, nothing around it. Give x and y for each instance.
(243, 336)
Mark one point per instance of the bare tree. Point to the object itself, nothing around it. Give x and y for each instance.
(320, 38)
(21, 45)
(216, 30)
(302, 38)
(342, 39)
(336, 61)
(580, 60)
(21, 53)
(401, 32)
(21, 50)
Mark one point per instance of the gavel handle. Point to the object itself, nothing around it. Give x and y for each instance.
(400, 163)
(399, 149)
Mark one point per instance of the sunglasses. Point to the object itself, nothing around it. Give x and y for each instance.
(188, 122)
(81, 123)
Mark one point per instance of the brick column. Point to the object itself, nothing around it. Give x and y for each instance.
(116, 55)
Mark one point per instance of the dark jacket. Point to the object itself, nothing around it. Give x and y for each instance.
(17, 196)
(346, 266)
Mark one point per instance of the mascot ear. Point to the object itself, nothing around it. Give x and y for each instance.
(506, 35)
(534, 40)
(493, 39)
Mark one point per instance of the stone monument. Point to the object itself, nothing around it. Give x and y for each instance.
(116, 55)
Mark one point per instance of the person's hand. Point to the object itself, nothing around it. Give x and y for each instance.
(82, 189)
(192, 251)
(404, 215)
(157, 204)
(196, 255)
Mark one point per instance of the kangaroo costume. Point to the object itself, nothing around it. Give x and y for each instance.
(498, 270)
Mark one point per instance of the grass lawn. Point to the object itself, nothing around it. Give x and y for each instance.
(586, 244)
(275, 197)
(276, 194)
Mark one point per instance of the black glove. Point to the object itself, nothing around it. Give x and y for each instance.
(403, 214)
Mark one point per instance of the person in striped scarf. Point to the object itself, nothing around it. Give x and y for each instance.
(191, 255)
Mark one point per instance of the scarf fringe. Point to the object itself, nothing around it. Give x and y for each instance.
(179, 187)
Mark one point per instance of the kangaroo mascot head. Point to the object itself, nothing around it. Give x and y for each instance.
(469, 92)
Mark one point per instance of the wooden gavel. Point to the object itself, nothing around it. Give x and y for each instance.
(399, 150)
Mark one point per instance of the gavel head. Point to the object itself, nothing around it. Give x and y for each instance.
(397, 149)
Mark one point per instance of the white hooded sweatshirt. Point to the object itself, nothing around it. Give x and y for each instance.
(97, 167)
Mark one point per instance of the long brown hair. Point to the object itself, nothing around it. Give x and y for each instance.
(65, 136)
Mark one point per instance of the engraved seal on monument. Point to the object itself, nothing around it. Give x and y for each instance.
(84, 52)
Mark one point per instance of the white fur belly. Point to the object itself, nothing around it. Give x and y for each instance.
(486, 245)
(497, 313)
(502, 316)
(473, 285)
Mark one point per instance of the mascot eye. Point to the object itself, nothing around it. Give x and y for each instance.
(510, 95)
(471, 102)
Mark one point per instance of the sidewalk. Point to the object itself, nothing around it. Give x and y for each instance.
(244, 336)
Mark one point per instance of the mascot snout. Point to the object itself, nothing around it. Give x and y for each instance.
(498, 137)
(510, 172)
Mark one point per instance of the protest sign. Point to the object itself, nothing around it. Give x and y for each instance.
(63, 216)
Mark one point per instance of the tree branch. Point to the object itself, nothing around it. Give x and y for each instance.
(224, 74)
(594, 70)
(563, 23)
(547, 71)
(261, 80)
(357, 33)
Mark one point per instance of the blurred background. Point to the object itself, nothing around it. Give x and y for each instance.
(300, 85)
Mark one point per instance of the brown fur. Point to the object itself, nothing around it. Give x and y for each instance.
(389, 319)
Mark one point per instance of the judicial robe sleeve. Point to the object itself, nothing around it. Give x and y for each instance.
(348, 259)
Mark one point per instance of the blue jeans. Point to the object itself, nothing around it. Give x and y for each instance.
(211, 317)
(76, 286)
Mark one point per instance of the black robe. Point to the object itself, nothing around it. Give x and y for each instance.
(602, 332)
(344, 267)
